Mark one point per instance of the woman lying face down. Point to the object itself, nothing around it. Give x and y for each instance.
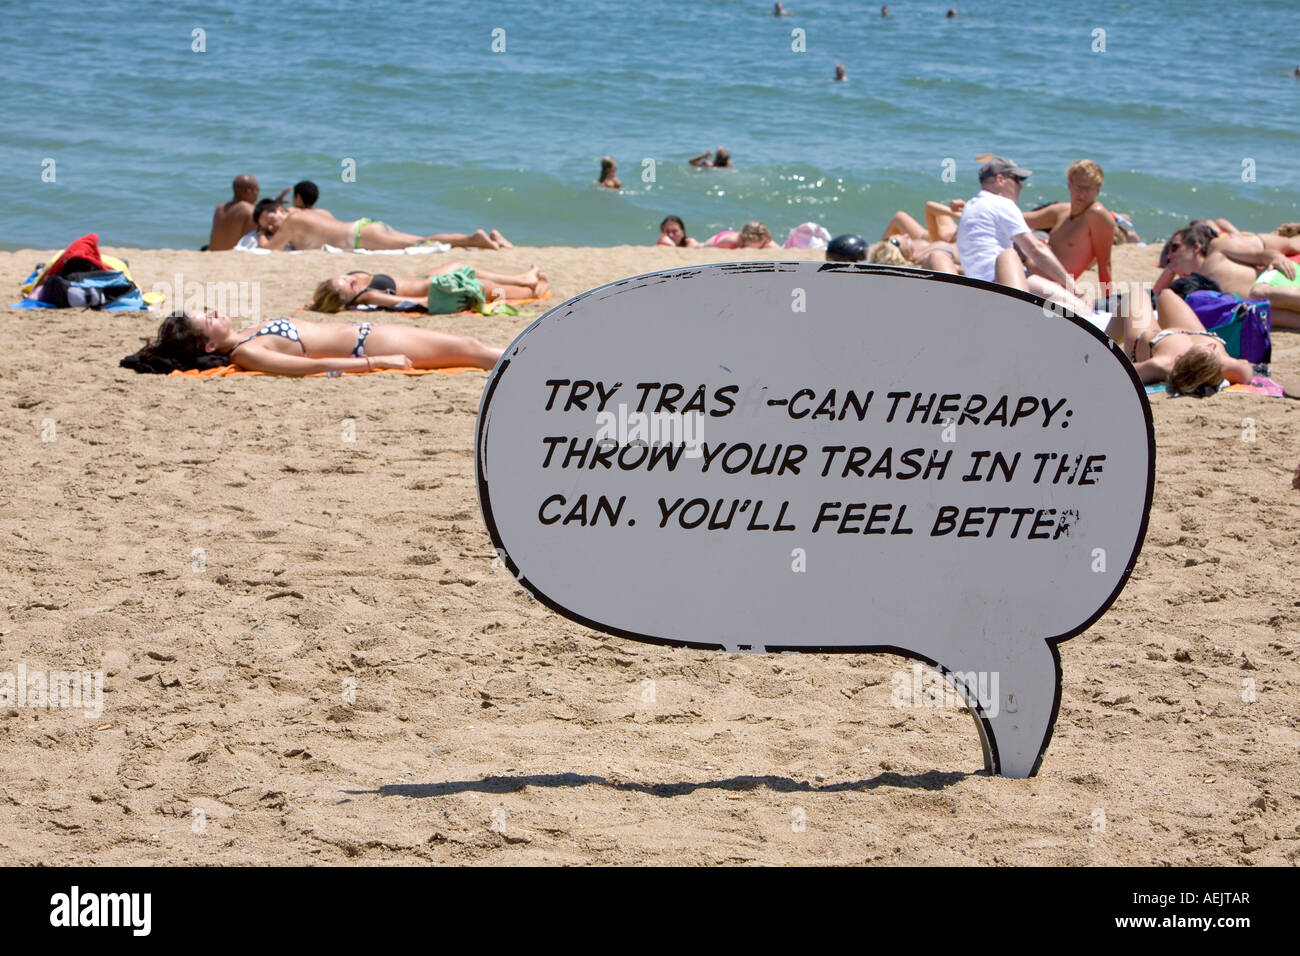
(190, 340)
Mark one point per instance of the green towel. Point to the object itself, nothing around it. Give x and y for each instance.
(461, 291)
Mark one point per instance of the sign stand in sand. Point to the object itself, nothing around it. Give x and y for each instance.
(797, 456)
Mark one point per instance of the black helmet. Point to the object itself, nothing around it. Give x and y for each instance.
(847, 248)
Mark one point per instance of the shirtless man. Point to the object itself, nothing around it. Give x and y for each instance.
(232, 220)
(1237, 271)
(1082, 230)
(280, 228)
(993, 235)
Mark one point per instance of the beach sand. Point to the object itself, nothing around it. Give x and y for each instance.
(311, 658)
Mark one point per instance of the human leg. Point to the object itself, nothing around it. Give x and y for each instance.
(1009, 270)
(1174, 313)
(429, 348)
(1283, 296)
(904, 225)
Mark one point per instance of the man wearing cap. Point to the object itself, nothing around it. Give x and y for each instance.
(993, 228)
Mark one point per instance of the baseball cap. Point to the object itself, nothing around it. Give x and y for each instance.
(1001, 166)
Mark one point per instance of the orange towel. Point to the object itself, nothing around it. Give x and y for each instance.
(225, 371)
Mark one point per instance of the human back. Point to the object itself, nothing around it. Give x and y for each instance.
(988, 225)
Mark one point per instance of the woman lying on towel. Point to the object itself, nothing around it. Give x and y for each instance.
(454, 287)
(906, 251)
(1180, 351)
(190, 340)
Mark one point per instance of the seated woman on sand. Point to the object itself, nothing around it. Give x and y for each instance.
(906, 251)
(453, 287)
(1180, 351)
(672, 232)
(940, 222)
(752, 235)
(280, 228)
(189, 340)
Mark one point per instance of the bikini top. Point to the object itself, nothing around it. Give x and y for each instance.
(378, 283)
(281, 327)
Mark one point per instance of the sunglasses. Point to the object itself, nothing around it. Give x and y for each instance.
(895, 243)
(1175, 246)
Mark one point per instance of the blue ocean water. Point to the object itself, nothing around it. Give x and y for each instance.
(1190, 107)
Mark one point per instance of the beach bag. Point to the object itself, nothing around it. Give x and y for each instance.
(1243, 324)
(107, 289)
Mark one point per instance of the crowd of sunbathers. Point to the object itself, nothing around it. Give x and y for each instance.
(245, 221)
(1047, 249)
(1042, 251)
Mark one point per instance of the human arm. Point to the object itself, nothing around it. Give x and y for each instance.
(1043, 261)
(277, 241)
(1101, 234)
(387, 300)
(1153, 371)
(702, 159)
(1047, 218)
(273, 362)
(1238, 371)
(1234, 247)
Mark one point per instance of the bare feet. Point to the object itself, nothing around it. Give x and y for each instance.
(480, 240)
(542, 287)
(501, 241)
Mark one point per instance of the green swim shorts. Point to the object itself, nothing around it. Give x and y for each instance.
(1278, 277)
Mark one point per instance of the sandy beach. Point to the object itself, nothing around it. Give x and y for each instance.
(310, 656)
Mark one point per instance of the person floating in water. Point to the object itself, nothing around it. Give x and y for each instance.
(779, 11)
(280, 228)
(840, 74)
(609, 173)
(721, 159)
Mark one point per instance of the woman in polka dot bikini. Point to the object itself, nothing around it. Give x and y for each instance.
(188, 340)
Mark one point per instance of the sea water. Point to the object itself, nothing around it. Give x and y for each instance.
(131, 119)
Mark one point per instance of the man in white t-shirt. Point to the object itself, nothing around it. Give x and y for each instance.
(993, 228)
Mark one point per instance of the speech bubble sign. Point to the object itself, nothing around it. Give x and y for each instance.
(798, 456)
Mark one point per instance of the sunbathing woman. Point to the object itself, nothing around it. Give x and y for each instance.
(940, 222)
(752, 235)
(453, 287)
(672, 232)
(1181, 351)
(906, 251)
(283, 347)
(280, 228)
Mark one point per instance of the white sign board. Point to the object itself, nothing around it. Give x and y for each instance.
(798, 456)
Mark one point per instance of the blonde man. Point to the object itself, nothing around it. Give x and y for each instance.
(1082, 231)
